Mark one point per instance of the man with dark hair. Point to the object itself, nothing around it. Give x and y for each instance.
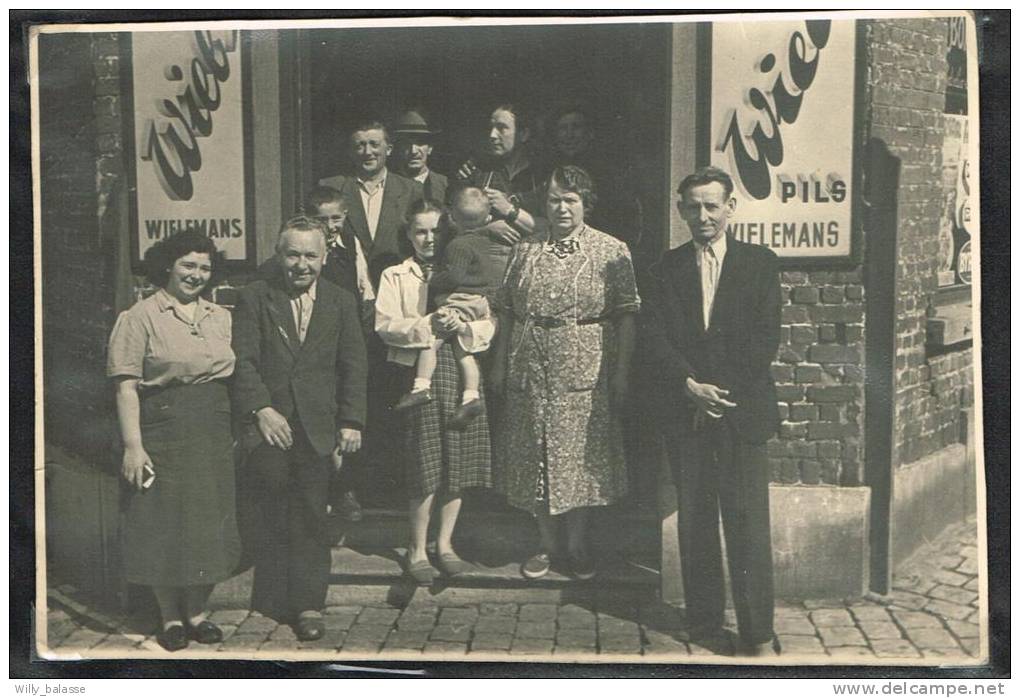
(377, 202)
(711, 322)
(299, 387)
(376, 198)
(415, 136)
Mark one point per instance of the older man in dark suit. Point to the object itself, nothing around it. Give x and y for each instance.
(299, 386)
(712, 316)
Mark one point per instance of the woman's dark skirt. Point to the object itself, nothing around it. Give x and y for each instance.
(441, 460)
(182, 531)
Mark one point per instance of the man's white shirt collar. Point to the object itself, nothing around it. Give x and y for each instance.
(718, 247)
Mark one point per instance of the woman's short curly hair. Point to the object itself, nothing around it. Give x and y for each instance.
(161, 257)
(575, 179)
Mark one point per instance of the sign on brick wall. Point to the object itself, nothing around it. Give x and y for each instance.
(956, 65)
(782, 124)
(189, 134)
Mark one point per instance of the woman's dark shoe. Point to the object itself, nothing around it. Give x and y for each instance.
(536, 566)
(452, 565)
(172, 638)
(205, 633)
(309, 628)
(582, 567)
(422, 572)
(463, 415)
(415, 399)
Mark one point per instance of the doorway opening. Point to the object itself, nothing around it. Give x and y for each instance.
(620, 74)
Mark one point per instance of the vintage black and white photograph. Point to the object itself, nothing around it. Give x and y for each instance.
(520, 339)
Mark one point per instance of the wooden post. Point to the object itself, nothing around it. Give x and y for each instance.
(685, 92)
(881, 183)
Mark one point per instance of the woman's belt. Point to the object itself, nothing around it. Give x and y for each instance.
(548, 323)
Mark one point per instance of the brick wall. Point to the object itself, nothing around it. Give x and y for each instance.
(820, 379)
(820, 366)
(79, 125)
(907, 75)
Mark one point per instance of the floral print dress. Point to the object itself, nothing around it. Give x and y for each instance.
(561, 446)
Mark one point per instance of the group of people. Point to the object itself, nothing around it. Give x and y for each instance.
(485, 319)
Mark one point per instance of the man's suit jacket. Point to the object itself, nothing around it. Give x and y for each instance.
(735, 352)
(435, 187)
(398, 195)
(319, 383)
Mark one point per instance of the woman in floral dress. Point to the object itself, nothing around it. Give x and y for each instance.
(562, 363)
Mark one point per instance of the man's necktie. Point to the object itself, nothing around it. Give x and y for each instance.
(710, 277)
(304, 311)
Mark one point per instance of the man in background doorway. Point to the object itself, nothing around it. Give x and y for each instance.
(376, 198)
(377, 201)
(575, 141)
(415, 137)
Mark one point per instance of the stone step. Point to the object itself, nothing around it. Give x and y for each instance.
(506, 531)
(398, 593)
(373, 576)
(383, 566)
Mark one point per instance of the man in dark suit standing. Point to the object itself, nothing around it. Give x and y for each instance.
(376, 198)
(415, 137)
(299, 386)
(712, 329)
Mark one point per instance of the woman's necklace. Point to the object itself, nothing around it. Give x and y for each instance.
(567, 245)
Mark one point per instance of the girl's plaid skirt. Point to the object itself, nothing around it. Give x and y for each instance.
(441, 460)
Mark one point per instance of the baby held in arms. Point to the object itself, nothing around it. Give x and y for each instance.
(470, 271)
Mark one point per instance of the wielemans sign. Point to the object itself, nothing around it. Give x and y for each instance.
(782, 123)
(189, 131)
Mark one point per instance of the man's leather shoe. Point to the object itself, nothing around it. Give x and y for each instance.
(721, 642)
(205, 633)
(172, 638)
(309, 628)
(769, 648)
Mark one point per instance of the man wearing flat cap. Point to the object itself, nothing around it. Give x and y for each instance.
(415, 137)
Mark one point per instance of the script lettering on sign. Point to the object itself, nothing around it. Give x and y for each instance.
(782, 126)
(779, 106)
(190, 129)
(171, 140)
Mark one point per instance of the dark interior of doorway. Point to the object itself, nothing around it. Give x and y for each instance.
(619, 72)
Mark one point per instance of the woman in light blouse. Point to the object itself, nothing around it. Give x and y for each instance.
(170, 357)
(442, 462)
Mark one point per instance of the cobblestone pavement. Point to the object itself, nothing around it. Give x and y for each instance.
(930, 617)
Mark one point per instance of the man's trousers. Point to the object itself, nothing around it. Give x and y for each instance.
(714, 471)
